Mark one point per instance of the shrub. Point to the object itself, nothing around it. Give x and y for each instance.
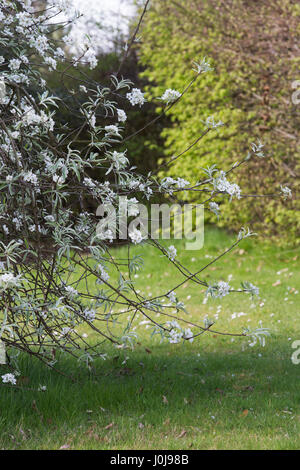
(254, 47)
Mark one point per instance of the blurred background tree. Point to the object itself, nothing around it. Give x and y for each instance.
(255, 50)
(143, 149)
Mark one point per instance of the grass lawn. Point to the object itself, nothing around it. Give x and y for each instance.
(214, 393)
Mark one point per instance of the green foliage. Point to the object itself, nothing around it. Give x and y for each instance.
(209, 384)
(253, 50)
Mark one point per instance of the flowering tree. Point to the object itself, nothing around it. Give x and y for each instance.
(56, 267)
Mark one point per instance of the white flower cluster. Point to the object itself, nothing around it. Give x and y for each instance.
(8, 280)
(136, 97)
(286, 192)
(170, 96)
(172, 297)
(71, 292)
(9, 379)
(177, 333)
(89, 315)
(249, 287)
(203, 66)
(212, 124)
(59, 180)
(114, 17)
(138, 186)
(121, 115)
(89, 183)
(224, 186)
(219, 290)
(257, 149)
(31, 177)
(182, 183)
(118, 159)
(172, 252)
(136, 236)
(63, 5)
(223, 289)
(105, 234)
(253, 289)
(215, 208)
(104, 275)
(131, 206)
(18, 221)
(30, 117)
(14, 64)
(170, 184)
(112, 130)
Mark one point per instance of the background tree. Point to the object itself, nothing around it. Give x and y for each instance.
(255, 51)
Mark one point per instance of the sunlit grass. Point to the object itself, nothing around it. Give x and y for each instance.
(214, 393)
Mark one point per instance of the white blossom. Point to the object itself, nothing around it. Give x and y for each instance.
(249, 287)
(175, 336)
(118, 159)
(71, 292)
(223, 185)
(212, 124)
(65, 331)
(89, 183)
(112, 130)
(222, 289)
(136, 97)
(182, 183)
(30, 177)
(170, 96)
(172, 252)
(172, 297)
(203, 66)
(8, 280)
(89, 315)
(104, 275)
(92, 121)
(51, 62)
(40, 43)
(9, 379)
(42, 388)
(136, 236)
(14, 64)
(215, 208)
(188, 335)
(286, 192)
(31, 117)
(121, 115)
(132, 205)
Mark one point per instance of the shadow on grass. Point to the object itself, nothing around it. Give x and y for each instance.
(178, 388)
